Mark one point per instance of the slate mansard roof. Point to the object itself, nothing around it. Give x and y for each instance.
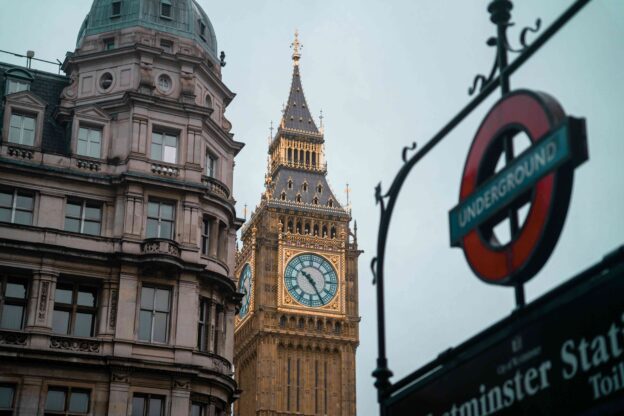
(47, 87)
(298, 179)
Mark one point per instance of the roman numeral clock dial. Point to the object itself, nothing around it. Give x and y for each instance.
(311, 280)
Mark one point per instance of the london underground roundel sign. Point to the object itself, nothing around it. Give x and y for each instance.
(541, 176)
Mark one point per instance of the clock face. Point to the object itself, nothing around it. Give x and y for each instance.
(311, 280)
(244, 287)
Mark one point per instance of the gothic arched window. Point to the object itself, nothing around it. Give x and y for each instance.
(316, 229)
(319, 188)
(283, 196)
(333, 232)
(330, 202)
(315, 200)
(298, 197)
(290, 226)
(290, 183)
(324, 231)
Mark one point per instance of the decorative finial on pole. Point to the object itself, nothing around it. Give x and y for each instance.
(321, 118)
(245, 212)
(296, 47)
(271, 129)
(348, 192)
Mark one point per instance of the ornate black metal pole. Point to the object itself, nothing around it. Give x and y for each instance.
(500, 15)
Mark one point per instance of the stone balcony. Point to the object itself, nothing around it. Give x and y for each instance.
(160, 251)
(215, 187)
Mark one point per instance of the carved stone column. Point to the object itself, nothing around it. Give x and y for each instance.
(180, 397)
(41, 300)
(119, 391)
(30, 392)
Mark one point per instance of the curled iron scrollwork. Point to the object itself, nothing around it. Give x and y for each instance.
(408, 149)
(373, 266)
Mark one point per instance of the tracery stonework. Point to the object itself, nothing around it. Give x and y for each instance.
(296, 332)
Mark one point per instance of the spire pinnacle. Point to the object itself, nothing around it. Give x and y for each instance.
(296, 47)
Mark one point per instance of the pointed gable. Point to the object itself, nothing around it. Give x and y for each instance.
(297, 114)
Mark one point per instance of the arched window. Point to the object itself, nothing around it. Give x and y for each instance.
(330, 202)
(298, 227)
(296, 156)
(290, 183)
(282, 322)
(314, 159)
(308, 158)
(306, 228)
(319, 188)
(338, 328)
(315, 200)
(301, 156)
(316, 229)
(208, 101)
(301, 323)
(289, 155)
(290, 226)
(305, 187)
(283, 196)
(333, 232)
(324, 231)
(298, 197)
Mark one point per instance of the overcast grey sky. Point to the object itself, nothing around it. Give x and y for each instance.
(387, 73)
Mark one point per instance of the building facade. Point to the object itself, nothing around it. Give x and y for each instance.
(297, 330)
(117, 221)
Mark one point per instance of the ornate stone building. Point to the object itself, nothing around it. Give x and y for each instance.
(297, 330)
(117, 221)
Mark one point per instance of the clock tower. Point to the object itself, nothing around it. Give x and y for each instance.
(297, 329)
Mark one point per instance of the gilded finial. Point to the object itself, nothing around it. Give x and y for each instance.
(296, 47)
(321, 118)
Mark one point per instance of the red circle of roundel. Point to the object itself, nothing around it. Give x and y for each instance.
(536, 114)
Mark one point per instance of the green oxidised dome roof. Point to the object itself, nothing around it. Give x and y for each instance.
(186, 20)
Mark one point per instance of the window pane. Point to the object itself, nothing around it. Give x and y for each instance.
(152, 228)
(145, 326)
(15, 290)
(5, 214)
(138, 406)
(152, 209)
(6, 199)
(157, 138)
(6, 397)
(12, 317)
(73, 210)
(94, 150)
(91, 227)
(16, 121)
(79, 402)
(15, 134)
(166, 211)
(86, 298)
(93, 212)
(160, 327)
(166, 230)
(24, 202)
(28, 137)
(147, 298)
(155, 407)
(55, 400)
(63, 296)
(60, 322)
(72, 225)
(83, 326)
(83, 134)
(196, 410)
(23, 217)
(29, 123)
(171, 141)
(162, 300)
(156, 151)
(82, 148)
(169, 155)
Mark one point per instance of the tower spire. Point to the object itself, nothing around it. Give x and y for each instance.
(296, 47)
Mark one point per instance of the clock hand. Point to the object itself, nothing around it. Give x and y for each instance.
(313, 283)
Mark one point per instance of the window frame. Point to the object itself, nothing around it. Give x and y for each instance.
(166, 5)
(206, 228)
(203, 324)
(22, 115)
(9, 410)
(74, 308)
(68, 390)
(116, 8)
(153, 311)
(109, 45)
(89, 128)
(14, 208)
(147, 397)
(84, 204)
(13, 301)
(160, 220)
(164, 135)
(16, 81)
(211, 165)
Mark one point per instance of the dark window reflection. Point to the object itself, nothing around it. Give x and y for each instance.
(13, 297)
(75, 307)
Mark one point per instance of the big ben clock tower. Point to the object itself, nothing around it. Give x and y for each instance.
(297, 329)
